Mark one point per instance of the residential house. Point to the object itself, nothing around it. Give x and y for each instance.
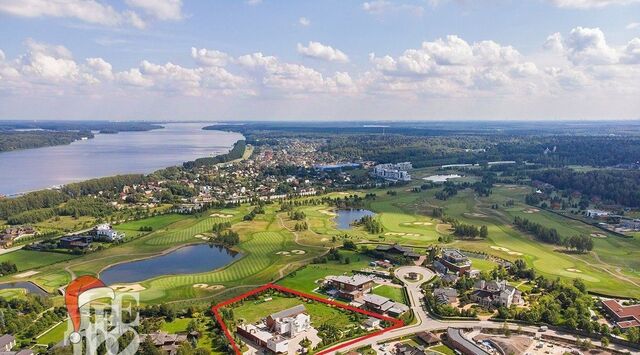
(397, 249)
(7, 342)
(384, 305)
(290, 321)
(495, 293)
(445, 295)
(428, 338)
(349, 287)
(165, 341)
(104, 232)
(75, 242)
(407, 349)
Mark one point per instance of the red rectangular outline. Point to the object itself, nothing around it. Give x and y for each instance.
(396, 323)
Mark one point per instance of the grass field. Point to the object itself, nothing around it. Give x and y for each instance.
(393, 293)
(178, 325)
(442, 349)
(27, 259)
(55, 335)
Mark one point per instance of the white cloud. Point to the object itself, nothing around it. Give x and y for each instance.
(633, 25)
(210, 57)
(160, 9)
(101, 67)
(589, 46)
(381, 7)
(320, 51)
(589, 4)
(303, 21)
(51, 64)
(90, 11)
(253, 2)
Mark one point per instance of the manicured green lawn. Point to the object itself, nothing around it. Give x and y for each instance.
(179, 325)
(443, 349)
(482, 264)
(156, 223)
(394, 293)
(54, 335)
(29, 259)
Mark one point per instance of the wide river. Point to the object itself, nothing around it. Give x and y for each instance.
(110, 154)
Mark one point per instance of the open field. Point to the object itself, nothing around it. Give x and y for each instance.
(28, 260)
(55, 335)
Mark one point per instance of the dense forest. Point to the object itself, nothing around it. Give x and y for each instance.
(15, 140)
(612, 186)
(235, 153)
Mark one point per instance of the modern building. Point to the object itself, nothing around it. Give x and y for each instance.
(624, 316)
(104, 232)
(75, 242)
(383, 305)
(596, 214)
(290, 321)
(349, 287)
(279, 328)
(393, 172)
(453, 261)
(7, 342)
(457, 340)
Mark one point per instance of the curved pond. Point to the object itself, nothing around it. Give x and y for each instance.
(30, 287)
(344, 218)
(191, 259)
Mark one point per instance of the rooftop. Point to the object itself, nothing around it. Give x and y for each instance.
(293, 311)
(355, 280)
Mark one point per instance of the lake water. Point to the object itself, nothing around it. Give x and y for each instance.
(344, 218)
(110, 154)
(442, 178)
(190, 259)
(31, 288)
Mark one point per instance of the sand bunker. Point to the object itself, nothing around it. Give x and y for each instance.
(598, 235)
(324, 239)
(25, 274)
(283, 253)
(128, 288)
(506, 250)
(419, 223)
(299, 252)
(443, 228)
(201, 236)
(531, 210)
(208, 287)
(328, 212)
(574, 270)
(403, 234)
(221, 215)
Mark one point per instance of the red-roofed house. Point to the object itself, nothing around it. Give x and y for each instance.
(624, 316)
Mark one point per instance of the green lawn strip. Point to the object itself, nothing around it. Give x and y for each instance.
(54, 335)
(29, 259)
(393, 293)
(443, 349)
(156, 222)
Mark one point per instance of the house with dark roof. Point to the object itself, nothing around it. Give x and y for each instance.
(428, 338)
(165, 341)
(406, 349)
(384, 305)
(398, 249)
(445, 295)
(349, 287)
(624, 316)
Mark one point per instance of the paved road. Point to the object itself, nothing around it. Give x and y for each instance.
(426, 323)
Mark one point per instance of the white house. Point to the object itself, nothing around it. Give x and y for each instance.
(290, 321)
(105, 232)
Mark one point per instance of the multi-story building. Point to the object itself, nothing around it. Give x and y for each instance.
(394, 172)
(495, 293)
(290, 321)
(624, 316)
(349, 287)
(454, 261)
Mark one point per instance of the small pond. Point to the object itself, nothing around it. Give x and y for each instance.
(191, 259)
(442, 178)
(30, 287)
(344, 218)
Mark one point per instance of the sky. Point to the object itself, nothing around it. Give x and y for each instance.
(320, 59)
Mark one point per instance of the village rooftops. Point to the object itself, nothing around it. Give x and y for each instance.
(291, 312)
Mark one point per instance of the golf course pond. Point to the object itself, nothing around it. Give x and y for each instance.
(191, 259)
(344, 218)
(30, 287)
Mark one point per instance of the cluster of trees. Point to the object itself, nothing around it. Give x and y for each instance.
(223, 235)
(7, 268)
(254, 212)
(82, 206)
(350, 202)
(370, 224)
(297, 215)
(302, 226)
(19, 316)
(470, 231)
(333, 255)
(540, 232)
(235, 153)
(581, 243)
(31, 201)
(146, 229)
(113, 184)
(620, 187)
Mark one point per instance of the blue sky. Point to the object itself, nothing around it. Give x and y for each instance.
(377, 59)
